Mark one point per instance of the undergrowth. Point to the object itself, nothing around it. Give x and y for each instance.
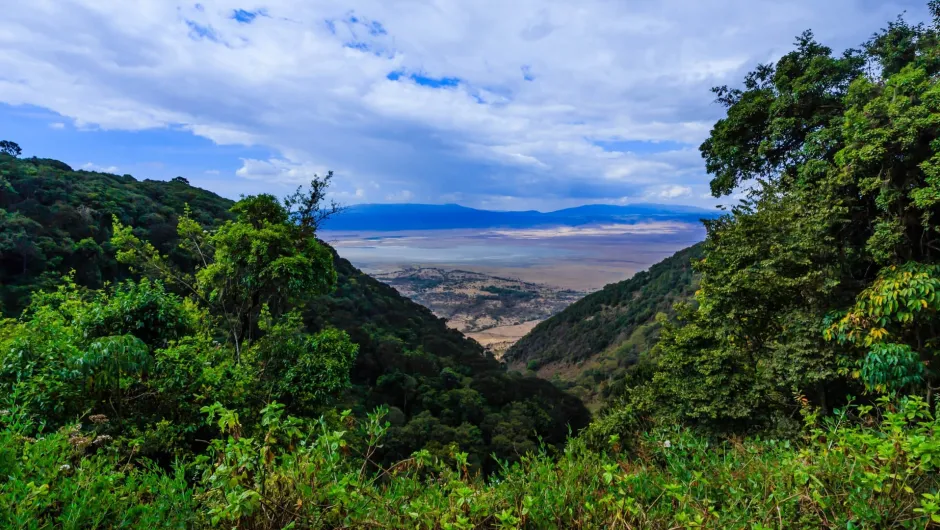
(866, 467)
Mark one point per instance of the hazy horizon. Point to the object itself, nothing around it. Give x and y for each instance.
(584, 260)
(581, 205)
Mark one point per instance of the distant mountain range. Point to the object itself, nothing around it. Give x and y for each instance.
(395, 217)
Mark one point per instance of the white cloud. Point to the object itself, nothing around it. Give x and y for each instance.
(401, 196)
(539, 82)
(672, 192)
(637, 170)
(90, 166)
(57, 125)
(344, 197)
(212, 172)
(279, 171)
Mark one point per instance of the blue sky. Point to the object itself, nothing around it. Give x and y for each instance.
(537, 104)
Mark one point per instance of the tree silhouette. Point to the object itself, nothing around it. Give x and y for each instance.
(10, 148)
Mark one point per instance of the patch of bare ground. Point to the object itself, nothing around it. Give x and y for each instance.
(496, 311)
(498, 339)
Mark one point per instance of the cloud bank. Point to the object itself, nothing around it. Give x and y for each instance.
(489, 103)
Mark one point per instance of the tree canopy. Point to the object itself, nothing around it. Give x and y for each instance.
(821, 281)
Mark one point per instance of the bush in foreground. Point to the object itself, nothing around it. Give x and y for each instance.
(863, 468)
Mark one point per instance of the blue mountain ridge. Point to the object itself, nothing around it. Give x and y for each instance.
(400, 217)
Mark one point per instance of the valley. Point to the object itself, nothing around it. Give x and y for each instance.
(495, 311)
(584, 258)
(496, 285)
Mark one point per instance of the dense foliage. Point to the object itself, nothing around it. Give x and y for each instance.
(593, 344)
(149, 359)
(56, 220)
(862, 468)
(823, 280)
(254, 277)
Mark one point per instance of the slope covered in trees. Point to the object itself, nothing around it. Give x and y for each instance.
(56, 219)
(441, 387)
(598, 339)
(823, 281)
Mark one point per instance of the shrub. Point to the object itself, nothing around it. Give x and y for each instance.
(864, 467)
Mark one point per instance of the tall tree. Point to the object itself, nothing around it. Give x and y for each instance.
(10, 148)
(261, 261)
(838, 157)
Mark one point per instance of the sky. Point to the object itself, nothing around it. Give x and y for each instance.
(494, 104)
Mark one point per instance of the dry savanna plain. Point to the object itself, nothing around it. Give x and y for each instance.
(496, 285)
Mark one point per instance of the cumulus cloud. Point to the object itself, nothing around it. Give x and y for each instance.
(279, 171)
(401, 196)
(494, 101)
(672, 192)
(57, 125)
(90, 166)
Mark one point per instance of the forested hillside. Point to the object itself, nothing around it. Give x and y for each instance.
(56, 220)
(822, 282)
(595, 341)
(442, 388)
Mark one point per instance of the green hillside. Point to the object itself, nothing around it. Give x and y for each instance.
(441, 382)
(442, 387)
(596, 340)
(56, 219)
